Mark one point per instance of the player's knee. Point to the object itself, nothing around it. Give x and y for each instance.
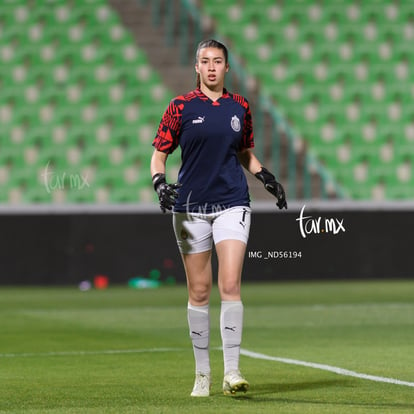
(200, 294)
(230, 289)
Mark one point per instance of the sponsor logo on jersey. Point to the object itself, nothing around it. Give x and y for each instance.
(199, 120)
(235, 123)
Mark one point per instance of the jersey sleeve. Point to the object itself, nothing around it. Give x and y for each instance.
(167, 137)
(248, 137)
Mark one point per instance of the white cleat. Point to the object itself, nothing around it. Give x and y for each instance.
(202, 386)
(234, 382)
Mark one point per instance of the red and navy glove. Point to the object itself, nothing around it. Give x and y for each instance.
(274, 187)
(167, 193)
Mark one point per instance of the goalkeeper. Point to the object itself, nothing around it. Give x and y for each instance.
(211, 204)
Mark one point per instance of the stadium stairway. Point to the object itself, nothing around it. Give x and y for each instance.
(138, 19)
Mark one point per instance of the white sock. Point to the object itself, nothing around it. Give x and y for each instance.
(231, 326)
(199, 324)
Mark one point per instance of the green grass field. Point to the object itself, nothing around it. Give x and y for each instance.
(127, 351)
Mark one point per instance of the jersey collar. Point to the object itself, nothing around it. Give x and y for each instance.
(204, 97)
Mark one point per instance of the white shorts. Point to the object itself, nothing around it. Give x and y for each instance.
(196, 232)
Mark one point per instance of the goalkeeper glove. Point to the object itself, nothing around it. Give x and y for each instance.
(271, 185)
(167, 193)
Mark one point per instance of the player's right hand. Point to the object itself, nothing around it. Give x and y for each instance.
(167, 193)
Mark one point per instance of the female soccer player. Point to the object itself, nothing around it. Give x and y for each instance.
(210, 204)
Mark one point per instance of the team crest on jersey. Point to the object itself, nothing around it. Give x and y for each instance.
(235, 123)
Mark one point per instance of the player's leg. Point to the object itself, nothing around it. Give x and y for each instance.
(230, 255)
(231, 234)
(199, 282)
(199, 277)
(194, 241)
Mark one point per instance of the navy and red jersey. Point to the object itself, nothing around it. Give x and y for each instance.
(210, 134)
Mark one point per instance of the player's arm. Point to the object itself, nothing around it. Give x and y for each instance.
(253, 165)
(158, 162)
(249, 161)
(167, 193)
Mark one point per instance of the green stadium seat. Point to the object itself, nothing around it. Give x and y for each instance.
(77, 95)
(348, 62)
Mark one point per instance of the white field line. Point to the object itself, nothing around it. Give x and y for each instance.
(336, 370)
(81, 353)
(245, 352)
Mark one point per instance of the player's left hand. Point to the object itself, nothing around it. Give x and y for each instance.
(273, 186)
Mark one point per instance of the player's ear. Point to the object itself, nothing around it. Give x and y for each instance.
(227, 67)
(196, 68)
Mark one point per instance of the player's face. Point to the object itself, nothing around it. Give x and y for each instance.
(212, 68)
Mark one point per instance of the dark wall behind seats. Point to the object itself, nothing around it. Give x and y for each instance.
(62, 249)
